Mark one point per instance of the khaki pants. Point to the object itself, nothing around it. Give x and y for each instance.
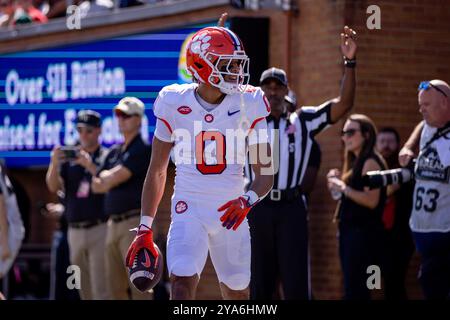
(87, 251)
(118, 239)
(15, 243)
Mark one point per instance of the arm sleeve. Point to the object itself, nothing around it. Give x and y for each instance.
(162, 131)
(258, 106)
(164, 125)
(316, 118)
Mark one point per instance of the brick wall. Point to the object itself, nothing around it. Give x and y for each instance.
(413, 45)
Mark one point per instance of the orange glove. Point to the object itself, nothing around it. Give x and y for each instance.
(236, 211)
(143, 240)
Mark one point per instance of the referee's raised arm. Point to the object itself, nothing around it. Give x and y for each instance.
(344, 102)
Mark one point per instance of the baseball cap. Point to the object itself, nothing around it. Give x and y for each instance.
(131, 106)
(274, 73)
(89, 118)
(291, 97)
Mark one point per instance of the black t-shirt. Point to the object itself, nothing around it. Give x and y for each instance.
(81, 203)
(351, 213)
(136, 158)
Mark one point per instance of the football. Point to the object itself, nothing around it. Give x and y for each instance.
(146, 271)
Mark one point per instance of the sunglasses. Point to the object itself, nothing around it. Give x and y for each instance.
(123, 115)
(87, 130)
(425, 85)
(349, 133)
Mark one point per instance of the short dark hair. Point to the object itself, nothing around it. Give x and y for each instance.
(390, 130)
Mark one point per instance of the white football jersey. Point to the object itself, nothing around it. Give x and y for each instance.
(431, 202)
(209, 150)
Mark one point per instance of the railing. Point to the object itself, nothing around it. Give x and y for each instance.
(117, 15)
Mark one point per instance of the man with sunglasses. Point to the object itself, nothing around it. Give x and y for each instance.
(430, 216)
(84, 209)
(122, 180)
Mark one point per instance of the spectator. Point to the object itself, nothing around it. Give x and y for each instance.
(360, 209)
(11, 225)
(84, 209)
(56, 9)
(430, 216)
(398, 245)
(7, 8)
(89, 7)
(27, 13)
(122, 180)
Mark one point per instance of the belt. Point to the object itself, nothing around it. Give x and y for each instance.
(87, 224)
(286, 195)
(126, 215)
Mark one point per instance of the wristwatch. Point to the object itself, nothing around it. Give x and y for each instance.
(350, 63)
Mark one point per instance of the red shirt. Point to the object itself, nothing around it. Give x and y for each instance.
(389, 213)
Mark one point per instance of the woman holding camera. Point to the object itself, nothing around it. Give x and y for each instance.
(360, 209)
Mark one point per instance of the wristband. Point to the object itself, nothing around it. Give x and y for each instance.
(252, 197)
(350, 63)
(146, 221)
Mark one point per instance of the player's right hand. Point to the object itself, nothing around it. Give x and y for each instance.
(143, 240)
(405, 156)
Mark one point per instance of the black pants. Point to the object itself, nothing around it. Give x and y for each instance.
(279, 243)
(397, 252)
(434, 276)
(359, 248)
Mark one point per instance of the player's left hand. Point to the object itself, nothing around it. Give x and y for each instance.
(348, 43)
(236, 211)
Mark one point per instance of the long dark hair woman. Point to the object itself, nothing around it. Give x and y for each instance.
(360, 209)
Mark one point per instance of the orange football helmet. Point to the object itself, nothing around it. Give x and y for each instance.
(216, 56)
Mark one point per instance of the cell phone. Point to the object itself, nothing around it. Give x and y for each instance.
(70, 152)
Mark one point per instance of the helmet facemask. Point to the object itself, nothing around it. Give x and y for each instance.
(230, 73)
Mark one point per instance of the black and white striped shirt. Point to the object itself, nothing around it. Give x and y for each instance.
(291, 143)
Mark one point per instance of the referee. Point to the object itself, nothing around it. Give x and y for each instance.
(278, 224)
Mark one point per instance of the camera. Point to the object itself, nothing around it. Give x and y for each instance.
(70, 152)
(382, 178)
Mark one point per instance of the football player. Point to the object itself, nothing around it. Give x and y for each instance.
(205, 123)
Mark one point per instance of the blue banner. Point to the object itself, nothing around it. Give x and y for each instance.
(43, 90)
